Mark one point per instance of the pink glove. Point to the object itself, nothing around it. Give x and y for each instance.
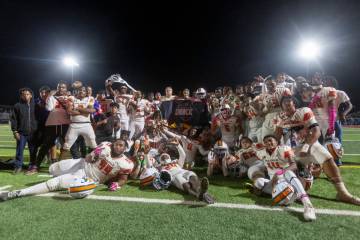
(113, 186)
(280, 172)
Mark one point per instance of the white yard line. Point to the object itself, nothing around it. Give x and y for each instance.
(216, 205)
(45, 175)
(351, 154)
(5, 187)
(351, 140)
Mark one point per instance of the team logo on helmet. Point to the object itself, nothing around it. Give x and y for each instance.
(283, 194)
(81, 187)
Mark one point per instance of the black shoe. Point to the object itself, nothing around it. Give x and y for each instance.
(204, 185)
(17, 170)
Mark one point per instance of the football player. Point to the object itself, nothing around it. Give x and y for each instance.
(271, 105)
(138, 108)
(249, 162)
(280, 164)
(305, 133)
(79, 108)
(323, 105)
(218, 159)
(185, 180)
(106, 163)
(228, 124)
(190, 144)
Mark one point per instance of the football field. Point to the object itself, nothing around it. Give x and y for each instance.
(131, 213)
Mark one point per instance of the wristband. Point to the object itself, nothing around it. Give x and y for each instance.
(305, 148)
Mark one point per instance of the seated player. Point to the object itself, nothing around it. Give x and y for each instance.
(217, 159)
(304, 136)
(185, 180)
(249, 162)
(106, 163)
(280, 164)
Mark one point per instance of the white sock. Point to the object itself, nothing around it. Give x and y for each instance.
(34, 190)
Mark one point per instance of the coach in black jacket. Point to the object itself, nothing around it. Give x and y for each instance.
(23, 125)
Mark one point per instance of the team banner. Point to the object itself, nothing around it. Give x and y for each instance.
(191, 112)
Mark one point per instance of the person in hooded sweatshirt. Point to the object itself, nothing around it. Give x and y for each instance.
(23, 125)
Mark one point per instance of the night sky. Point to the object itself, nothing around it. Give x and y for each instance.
(190, 44)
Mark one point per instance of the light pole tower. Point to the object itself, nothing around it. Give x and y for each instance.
(72, 63)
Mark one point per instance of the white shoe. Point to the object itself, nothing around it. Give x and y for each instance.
(309, 213)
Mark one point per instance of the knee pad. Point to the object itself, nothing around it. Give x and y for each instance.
(54, 169)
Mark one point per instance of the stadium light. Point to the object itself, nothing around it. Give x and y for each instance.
(71, 62)
(309, 50)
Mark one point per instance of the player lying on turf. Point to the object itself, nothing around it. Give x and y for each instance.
(304, 134)
(280, 164)
(106, 163)
(182, 179)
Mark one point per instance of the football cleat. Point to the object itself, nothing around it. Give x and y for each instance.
(8, 195)
(309, 212)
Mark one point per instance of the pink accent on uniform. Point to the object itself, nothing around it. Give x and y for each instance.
(113, 186)
(314, 101)
(332, 119)
(280, 172)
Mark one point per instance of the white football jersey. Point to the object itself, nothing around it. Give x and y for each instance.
(341, 97)
(248, 156)
(173, 168)
(86, 102)
(123, 101)
(281, 158)
(300, 122)
(101, 167)
(142, 106)
(272, 100)
(320, 101)
(228, 127)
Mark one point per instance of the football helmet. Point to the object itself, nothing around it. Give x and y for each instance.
(200, 93)
(162, 180)
(220, 149)
(283, 194)
(225, 111)
(81, 187)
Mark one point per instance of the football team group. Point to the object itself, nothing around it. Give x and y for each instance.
(279, 132)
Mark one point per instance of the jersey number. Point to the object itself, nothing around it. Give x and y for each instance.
(105, 167)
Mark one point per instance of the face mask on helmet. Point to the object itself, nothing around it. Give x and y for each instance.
(225, 112)
(162, 180)
(220, 152)
(200, 93)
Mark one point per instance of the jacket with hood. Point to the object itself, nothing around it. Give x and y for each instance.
(23, 118)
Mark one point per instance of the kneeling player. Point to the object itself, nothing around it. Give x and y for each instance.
(280, 164)
(305, 134)
(107, 162)
(185, 180)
